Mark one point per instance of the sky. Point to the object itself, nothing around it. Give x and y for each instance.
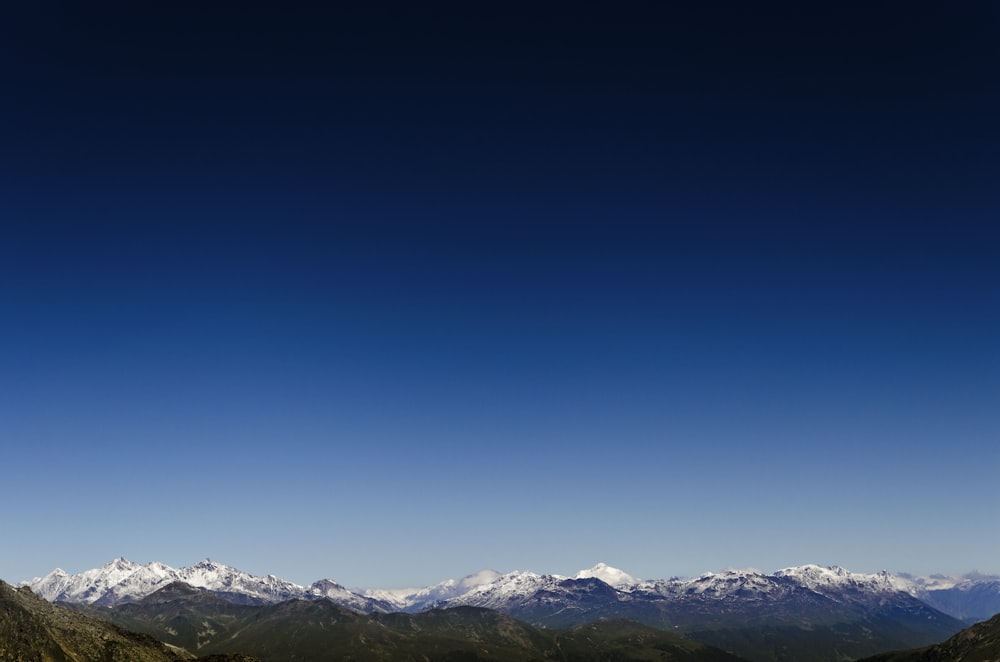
(392, 294)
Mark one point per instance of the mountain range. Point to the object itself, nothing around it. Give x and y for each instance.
(804, 612)
(971, 599)
(121, 581)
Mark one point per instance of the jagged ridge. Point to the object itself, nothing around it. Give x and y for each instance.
(121, 581)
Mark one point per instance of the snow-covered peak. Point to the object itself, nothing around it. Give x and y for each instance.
(207, 566)
(820, 578)
(58, 573)
(117, 569)
(729, 582)
(511, 581)
(222, 578)
(331, 590)
(508, 587)
(119, 580)
(609, 575)
(728, 575)
(834, 582)
(825, 574)
(122, 580)
(120, 563)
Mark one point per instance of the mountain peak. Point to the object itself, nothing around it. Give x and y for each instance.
(120, 563)
(323, 583)
(208, 563)
(609, 575)
(818, 577)
(122, 581)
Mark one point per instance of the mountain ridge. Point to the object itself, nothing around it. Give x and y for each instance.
(971, 598)
(120, 581)
(802, 612)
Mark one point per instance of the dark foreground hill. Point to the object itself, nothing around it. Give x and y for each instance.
(979, 643)
(33, 630)
(319, 631)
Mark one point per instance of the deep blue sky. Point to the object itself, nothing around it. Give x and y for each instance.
(391, 295)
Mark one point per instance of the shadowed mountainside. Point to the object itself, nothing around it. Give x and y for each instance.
(979, 643)
(32, 629)
(320, 630)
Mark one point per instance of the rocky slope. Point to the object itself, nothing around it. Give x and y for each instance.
(32, 629)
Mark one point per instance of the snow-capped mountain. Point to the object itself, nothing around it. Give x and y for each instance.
(832, 583)
(746, 584)
(506, 589)
(330, 590)
(121, 581)
(795, 607)
(117, 581)
(610, 576)
(549, 600)
(601, 589)
(838, 581)
(238, 586)
(798, 606)
(491, 590)
(525, 593)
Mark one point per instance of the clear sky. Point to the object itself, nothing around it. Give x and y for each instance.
(392, 295)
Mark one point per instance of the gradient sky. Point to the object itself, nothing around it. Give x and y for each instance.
(395, 294)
